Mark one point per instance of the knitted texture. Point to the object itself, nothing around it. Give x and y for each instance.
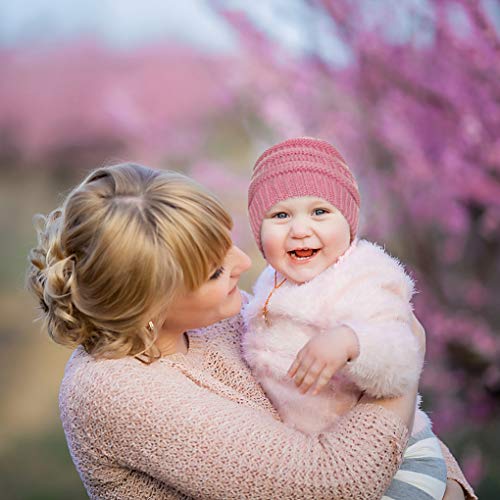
(199, 426)
(302, 167)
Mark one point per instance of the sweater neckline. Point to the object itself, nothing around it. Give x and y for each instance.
(195, 350)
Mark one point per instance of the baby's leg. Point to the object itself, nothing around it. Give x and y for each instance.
(422, 475)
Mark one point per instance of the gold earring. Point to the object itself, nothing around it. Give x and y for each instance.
(151, 326)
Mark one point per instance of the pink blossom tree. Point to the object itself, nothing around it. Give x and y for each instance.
(88, 102)
(410, 93)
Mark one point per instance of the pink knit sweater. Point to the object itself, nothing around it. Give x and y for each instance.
(199, 426)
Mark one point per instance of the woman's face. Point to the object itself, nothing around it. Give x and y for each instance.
(217, 299)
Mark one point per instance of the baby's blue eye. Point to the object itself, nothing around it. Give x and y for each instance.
(280, 215)
(320, 211)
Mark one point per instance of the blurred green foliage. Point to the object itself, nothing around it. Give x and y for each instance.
(39, 467)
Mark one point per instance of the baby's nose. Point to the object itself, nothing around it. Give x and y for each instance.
(300, 228)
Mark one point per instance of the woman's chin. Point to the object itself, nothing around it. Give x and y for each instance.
(235, 303)
(231, 308)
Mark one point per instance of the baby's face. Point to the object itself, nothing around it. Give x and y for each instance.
(301, 237)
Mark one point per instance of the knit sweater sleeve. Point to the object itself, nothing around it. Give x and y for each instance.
(206, 446)
(456, 474)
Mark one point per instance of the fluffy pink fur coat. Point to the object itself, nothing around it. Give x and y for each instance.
(365, 289)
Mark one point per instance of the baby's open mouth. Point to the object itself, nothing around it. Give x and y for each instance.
(303, 253)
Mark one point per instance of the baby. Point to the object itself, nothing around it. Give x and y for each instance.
(329, 310)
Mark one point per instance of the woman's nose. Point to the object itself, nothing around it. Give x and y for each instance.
(242, 261)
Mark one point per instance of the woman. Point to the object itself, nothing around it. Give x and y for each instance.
(138, 272)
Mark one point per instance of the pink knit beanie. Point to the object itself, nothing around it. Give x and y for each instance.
(302, 167)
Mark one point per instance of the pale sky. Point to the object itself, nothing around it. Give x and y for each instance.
(121, 23)
(125, 23)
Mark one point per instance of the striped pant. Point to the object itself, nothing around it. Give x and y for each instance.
(422, 475)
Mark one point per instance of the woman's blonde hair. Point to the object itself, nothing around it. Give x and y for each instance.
(124, 242)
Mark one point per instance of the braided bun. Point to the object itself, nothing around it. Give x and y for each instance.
(51, 277)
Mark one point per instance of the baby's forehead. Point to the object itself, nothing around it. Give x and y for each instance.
(301, 202)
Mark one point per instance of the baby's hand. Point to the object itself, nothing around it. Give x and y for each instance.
(325, 354)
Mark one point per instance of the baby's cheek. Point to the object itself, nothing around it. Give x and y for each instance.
(342, 237)
(271, 247)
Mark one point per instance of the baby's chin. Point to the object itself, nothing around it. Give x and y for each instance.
(304, 273)
(299, 278)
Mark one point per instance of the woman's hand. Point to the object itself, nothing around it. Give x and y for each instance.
(453, 491)
(325, 354)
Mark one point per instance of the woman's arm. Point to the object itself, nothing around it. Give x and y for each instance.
(403, 406)
(456, 478)
(206, 446)
(454, 473)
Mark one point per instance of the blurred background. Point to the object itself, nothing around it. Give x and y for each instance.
(408, 90)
